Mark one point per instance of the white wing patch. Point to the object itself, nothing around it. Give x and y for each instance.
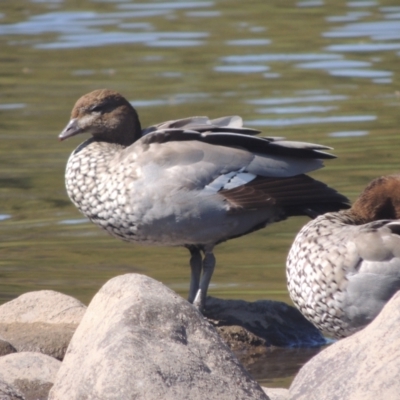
(230, 180)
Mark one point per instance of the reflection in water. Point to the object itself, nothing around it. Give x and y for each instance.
(12, 106)
(361, 73)
(363, 47)
(243, 69)
(176, 5)
(295, 110)
(248, 42)
(361, 3)
(310, 120)
(81, 29)
(377, 31)
(334, 64)
(158, 39)
(310, 3)
(148, 103)
(64, 22)
(347, 68)
(382, 30)
(203, 14)
(348, 134)
(350, 16)
(250, 58)
(74, 221)
(272, 75)
(301, 99)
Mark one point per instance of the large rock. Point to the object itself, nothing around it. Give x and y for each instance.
(43, 306)
(363, 366)
(42, 321)
(140, 340)
(8, 392)
(30, 374)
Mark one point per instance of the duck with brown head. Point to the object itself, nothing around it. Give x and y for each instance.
(192, 182)
(106, 115)
(343, 267)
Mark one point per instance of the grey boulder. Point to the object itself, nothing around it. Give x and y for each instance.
(8, 392)
(364, 366)
(140, 340)
(26, 374)
(42, 321)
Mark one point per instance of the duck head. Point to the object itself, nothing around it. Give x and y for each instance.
(107, 116)
(379, 200)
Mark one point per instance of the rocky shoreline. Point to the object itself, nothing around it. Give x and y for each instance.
(138, 339)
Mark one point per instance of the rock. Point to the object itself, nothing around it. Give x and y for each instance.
(30, 374)
(44, 306)
(8, 392)
(140, 340)
(264, 322)
(364, 366)
(276, 393)
(6, 348)
(50, 339)
(42, 321)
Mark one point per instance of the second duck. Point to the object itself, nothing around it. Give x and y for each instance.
(344, 266)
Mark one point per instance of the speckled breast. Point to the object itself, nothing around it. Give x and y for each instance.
(316, 276)
(98, 189)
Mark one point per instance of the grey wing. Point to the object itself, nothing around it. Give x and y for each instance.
(203, 124)
(229, 131)
(187, 155)
(289, 156)
(222, 156)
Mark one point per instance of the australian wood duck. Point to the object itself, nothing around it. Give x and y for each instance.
(344, 266)
(192, 182)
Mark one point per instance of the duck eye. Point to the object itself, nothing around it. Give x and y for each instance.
(96, 108)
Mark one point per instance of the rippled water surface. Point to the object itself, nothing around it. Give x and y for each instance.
(326, 72)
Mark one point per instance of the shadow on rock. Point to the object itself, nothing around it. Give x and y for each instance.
(270, 338)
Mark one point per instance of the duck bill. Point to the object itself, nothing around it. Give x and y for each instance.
(70, 130)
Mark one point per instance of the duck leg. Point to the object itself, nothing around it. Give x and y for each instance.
(195, 265)
(208, 270)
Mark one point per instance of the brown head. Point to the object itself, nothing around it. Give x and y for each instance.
(106, 115)
(379, 200)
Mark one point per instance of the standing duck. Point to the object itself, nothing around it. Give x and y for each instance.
(192, 182)
(344, 266)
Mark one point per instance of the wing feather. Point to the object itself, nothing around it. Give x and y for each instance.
(294, 194)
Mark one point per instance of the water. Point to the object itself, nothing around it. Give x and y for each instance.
(313, 71)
